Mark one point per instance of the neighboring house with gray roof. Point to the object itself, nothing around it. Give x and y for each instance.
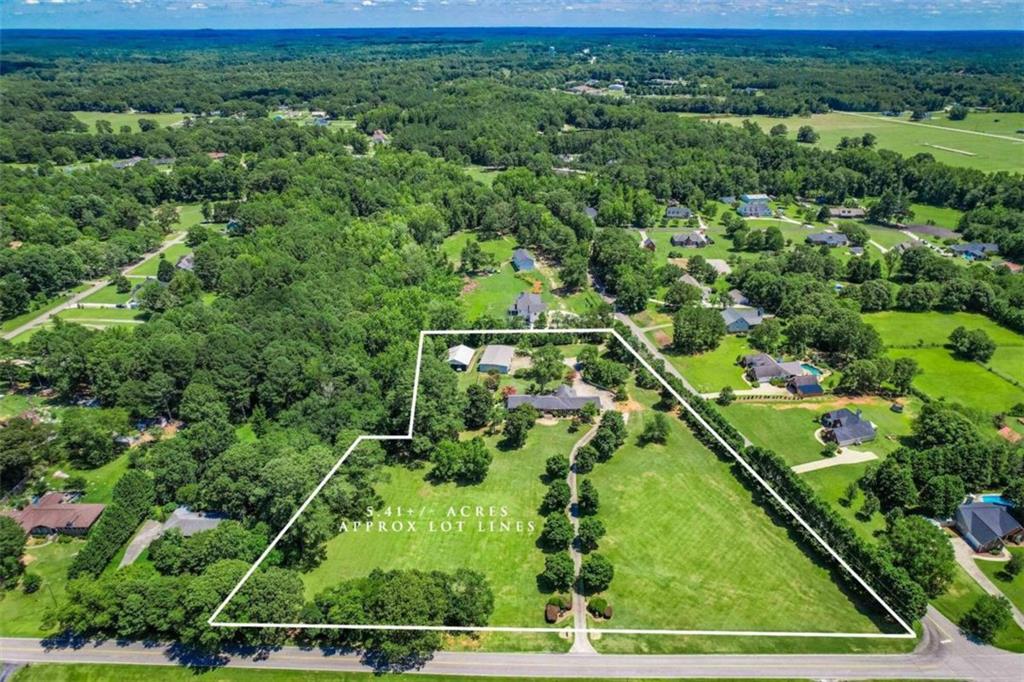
(739, 320)
(762, 368)
(846, 212)
(528, 307)
(681, 212)
(190, 522)
(691, 240)
(985, 527)
(832, 239)
(975, 250)
(846, 427)
(496, 358)
(460, 357)
(522, 260)
(738, 297)
(563, 401)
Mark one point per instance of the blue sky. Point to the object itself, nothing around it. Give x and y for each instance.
(802, 14)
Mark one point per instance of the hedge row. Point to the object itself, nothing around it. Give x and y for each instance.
(133, 497)
(894, 584)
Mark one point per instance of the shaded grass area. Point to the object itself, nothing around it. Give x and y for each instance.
(506, 555)
(693, 550)
(1012, 588)
(961, 596)
(830, 484)
(21, 614)
(92, 672)
(99, 482)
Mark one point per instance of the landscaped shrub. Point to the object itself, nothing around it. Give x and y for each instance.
(597, 606)
(31, 582)
(560, 600)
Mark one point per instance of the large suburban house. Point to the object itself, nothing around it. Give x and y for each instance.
(528, 307)
(460, 357)
(762, 368)
(985, 526)
(563, 401)
(846, 212)
(56, 512)
(739, 320)
(846, 427)
(975, 250)
(754, 206)
(496, 358)
(832, 239)
(678, 212)
(522, 260)
(691, 240)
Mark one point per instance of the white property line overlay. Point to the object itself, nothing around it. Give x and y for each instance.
(909, 634)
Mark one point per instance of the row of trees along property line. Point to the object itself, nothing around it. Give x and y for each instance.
(894, 584)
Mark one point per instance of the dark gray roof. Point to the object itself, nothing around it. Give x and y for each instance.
(976, 248)
(981, 523)
(522, 259)
(690, 239)
(564, 399)
(829, 238)
(528, 306)
(806, 384)
(678, 212)
(842, 416)
(854, 432)
(752, 316)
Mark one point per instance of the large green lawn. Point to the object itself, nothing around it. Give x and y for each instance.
(961, 149)
(923, 336)
(509, 557)
(108, 294)
(118, 119)
(99, 482)
(692, 550)
(961, 596)
(172, 254)
(1013, 589)
(788, 427)
(21, 614)
(711, 371)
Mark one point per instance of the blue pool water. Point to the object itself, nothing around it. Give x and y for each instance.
(811, 369)
(996, 499)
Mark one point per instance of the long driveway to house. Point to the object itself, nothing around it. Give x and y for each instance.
(965, 557)
(94, 286)
(580, 641)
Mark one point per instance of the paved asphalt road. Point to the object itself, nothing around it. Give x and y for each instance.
(95, 286)
(942, 654)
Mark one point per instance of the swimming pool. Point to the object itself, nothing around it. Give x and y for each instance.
(811, 369)
(997, 499)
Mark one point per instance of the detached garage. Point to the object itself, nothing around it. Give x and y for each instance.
(496, 359)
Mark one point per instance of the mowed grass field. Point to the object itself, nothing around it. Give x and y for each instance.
(118, 119)
(830, 484)
(21, 615)
(172, 254)
(692, 550)
(508, 558)
(953, 147)
(993, 387)
(788, 427)
(710, 372)
(1014, 588)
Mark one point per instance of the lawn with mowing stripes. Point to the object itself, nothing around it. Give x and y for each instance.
(118, 119)
(953, 147)
(507, 556)
(108, 294)
(830, 484)
(692, 550)
(934, 328)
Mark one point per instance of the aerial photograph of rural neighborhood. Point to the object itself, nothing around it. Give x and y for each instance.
(442, 340)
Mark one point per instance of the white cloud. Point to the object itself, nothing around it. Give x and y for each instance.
(198, 5)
